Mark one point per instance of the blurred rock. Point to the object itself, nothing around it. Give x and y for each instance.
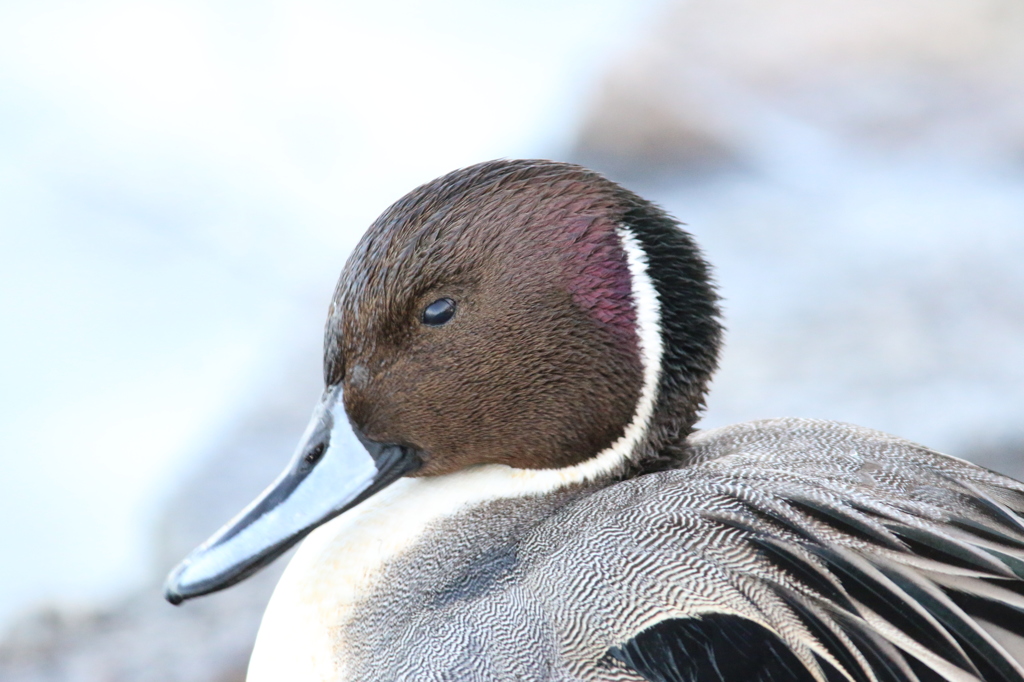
(888, 295)
(853, 170)
(716, 79)
(142, 638)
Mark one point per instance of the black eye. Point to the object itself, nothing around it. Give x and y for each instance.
(439, 312)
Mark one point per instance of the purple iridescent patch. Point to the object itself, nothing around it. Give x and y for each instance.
(601, 282)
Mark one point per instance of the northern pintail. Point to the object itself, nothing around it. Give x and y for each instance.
(502, 480)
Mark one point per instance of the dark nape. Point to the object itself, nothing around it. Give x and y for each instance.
(691, 327)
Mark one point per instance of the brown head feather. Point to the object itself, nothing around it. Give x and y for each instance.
(539, 368)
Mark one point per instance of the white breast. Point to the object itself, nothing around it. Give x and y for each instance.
(338, 564)
(334, 567)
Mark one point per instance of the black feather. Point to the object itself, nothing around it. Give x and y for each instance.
(883, 658)
(992, 665)
(985, 532)
(995, 511)
(931, 545)
(923, 672)
(1015, 565)
(844, 521)
(796, 566)
(712, 648)
(828, 639)
(981, 608)
(891, 606)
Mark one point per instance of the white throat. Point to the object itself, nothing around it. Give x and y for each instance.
(338, 564)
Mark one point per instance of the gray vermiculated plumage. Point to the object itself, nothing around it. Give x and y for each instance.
(852, 547)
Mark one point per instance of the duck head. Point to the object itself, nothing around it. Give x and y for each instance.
(529, 315)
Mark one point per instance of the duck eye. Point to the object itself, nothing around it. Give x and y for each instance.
(439, 312)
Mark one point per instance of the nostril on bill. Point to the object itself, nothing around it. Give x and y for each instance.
(314, 455)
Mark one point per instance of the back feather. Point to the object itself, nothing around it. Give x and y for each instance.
(866, 559)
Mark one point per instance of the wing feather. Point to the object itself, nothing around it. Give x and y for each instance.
(884, 562)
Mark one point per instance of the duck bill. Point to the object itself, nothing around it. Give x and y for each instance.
(333, 469)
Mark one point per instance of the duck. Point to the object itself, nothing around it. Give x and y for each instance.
(504, 479)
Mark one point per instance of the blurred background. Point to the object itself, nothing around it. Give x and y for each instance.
(181, 182)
